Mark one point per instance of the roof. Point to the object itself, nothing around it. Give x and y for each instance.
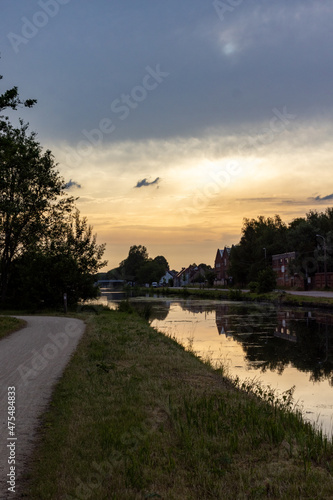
(227, 249)
(283, 255)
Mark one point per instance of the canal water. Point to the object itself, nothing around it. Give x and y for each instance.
(277, 346)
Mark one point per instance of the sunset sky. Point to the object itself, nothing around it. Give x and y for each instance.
(174, 120)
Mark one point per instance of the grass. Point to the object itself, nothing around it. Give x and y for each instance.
(10, 325)
(237, 295)
(136, 416)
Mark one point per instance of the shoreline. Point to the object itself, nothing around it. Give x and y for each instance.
(278, 297)
(135, 415)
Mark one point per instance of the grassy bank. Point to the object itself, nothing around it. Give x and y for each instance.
(276, 297)
(136, 416)
(9, 325)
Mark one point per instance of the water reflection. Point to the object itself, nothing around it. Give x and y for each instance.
(281, 347)
(272, 339)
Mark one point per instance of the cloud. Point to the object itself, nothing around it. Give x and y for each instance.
(72, 184)
(324, 198)
(229, 73)
(145, 183)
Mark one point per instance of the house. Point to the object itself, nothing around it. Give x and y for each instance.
(169, 276)
(281, 266)
(323, 279)
(221, 266)
(188, 275)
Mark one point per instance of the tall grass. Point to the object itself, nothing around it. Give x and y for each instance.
(137, 416)
(9, 325)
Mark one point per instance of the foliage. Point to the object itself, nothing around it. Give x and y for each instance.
(137, 257)
(139, 267)
(10, 325)
(31, 196)
(113, 274)
(11, 99)
(235, 294)
(210, 277)
(59, 263)
(125, 307)
(46, 250)
(263, 237)
(266, 280)
(303, 237)
(253, 286)
(152, 270)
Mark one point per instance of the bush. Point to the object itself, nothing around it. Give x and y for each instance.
(253, 286)
(266, 280)
(235, 295)
(125, 307)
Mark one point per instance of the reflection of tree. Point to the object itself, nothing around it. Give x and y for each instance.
(157, 310)
(193, 307)
(244, 320)
(264, 339)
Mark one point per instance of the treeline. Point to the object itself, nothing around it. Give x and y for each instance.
(310, 237)
(46, 248)
(138, 267)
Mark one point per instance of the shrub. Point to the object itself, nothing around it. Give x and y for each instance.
(266, 280)
(253, 286)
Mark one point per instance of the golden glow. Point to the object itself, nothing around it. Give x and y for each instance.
(205, 189)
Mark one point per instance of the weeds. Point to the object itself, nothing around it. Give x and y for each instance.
(150, 420)
(125, 307)
(10, 325)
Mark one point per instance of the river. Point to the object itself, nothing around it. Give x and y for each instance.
(280, 347)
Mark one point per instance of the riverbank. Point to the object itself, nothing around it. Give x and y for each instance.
(136, 416)
(277, 297)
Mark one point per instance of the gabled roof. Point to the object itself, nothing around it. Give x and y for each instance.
(225, 249)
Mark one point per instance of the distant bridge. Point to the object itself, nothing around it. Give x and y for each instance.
(110, 283)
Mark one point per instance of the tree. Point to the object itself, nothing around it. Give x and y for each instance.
(266, 280)
(10, 99)
(261, 238)
(43, 241)
(153, 270)
(312, 250)
(137, 257)
(161, 261)
(32, 196)
(139, 267)
(61, 262)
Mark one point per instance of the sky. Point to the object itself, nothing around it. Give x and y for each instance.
(173, 121)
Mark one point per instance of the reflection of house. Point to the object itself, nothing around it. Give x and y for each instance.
(221, 266)
(283, 328)
(223, 321)
(281, 266)
(191, 274)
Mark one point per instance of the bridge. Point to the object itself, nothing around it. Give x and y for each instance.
(110, 283)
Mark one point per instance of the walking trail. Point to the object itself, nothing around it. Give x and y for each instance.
(31, 362)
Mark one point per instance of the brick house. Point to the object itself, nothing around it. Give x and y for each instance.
(221, 266)
(320, 280)
(285, 279)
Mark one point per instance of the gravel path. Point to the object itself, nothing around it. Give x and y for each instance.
(31, 362)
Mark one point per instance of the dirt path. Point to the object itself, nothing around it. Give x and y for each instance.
(31, 361)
